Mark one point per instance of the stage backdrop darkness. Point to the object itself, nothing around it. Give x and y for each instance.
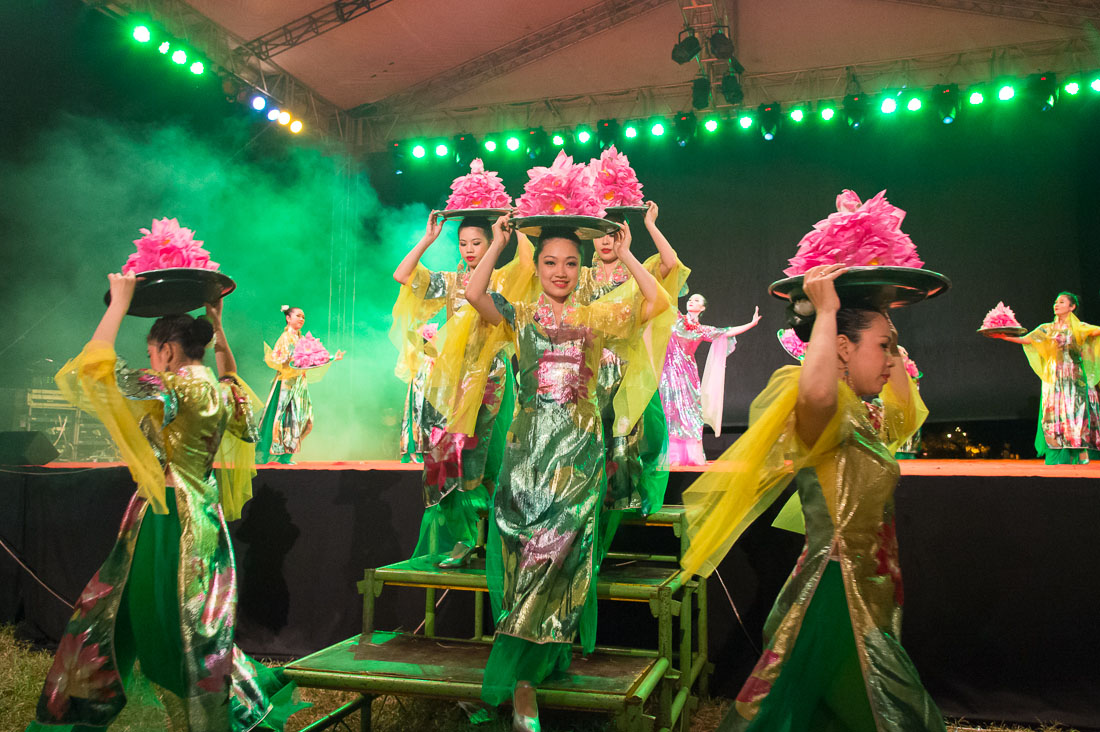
(1003, 202)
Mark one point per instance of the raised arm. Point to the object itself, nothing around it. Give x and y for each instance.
(817, 381)
(647, 283)
(477, 289)
(668, 254)
(1013, 339)
(122, 292)
(223, 356)
(408, 264)
(739, 329)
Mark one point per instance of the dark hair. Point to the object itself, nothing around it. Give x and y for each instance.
(557, 233)
(1070, 296)
(477, 222)
(850, 321)
(287, 308)
(191, 333)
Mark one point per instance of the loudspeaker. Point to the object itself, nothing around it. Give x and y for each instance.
(26, 448)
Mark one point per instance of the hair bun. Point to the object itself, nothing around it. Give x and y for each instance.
(284, 308)
(201, 332)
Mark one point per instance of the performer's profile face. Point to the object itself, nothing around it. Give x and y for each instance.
(295, 318)
(558, 267)
(870, 359)
(1063, 305)
(696, 304)
(472, 245)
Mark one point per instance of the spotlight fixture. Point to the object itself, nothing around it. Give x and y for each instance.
(700, 92)
(769, 119)
(163, 47)
(731, 89)
(259, 102)
(142, 34)
(197, 68)
(536, 141)
(441, 150)
(827, 113)
(490, 145)
(512, 143)
(745, 121)
(179, 56)
(685, 127)
(583, 135)
(687, 47)
(296, 126)
(797, 114)
(945, 99)
(657, 128)
(558, 139)
(631, 130)
(465, 147)
(855, 109)
(711, 124)
(889, 105)
(1042, 90)
(1071, 87)
(419, 151)
(720, 45)
(1006, 92)
(607, 132)
(273, 114)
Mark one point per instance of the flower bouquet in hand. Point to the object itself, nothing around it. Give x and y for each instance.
(175, 273)
(309, 353)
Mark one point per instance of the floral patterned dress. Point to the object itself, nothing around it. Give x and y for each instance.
(166, 596)
(288, 414)
(542, 552)
(680, 394)
(1063, 354)
(459, 469)
(833, 654)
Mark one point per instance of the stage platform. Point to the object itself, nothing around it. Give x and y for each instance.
(1000, 594)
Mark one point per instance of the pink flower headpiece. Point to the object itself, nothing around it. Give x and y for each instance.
(1000, 317)
(565, 188)
(792, 344)
(858, 234)
(616, 182)
(165, 246)
(308, 352)
(479, 189)
(911, 367)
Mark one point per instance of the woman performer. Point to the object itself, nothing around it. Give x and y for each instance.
(833, 659)
(288, 414)
(680, 393)
(544, 532)
(166, 596)
(1065, 353)
(459, 469)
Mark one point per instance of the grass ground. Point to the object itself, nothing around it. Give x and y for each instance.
(22, 669)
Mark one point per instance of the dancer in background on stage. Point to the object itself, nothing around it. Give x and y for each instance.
(166, 596)
(459, 470)
(686, 407)
(544, 531)
(1065, 353)
(288, 414)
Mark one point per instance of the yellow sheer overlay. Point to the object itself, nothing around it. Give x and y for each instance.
(88, 383)
(236, 458)
(752, 473)
(1043, 348)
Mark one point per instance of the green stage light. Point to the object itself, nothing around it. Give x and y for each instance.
(490, 145)
(583, 136)
(914, 104)
(419, 151)
(976, 98)
(711, 125)
(630, 131)
(1006, 92)
(163, 48)
(197, 68)
(142, 34)
(1072, 88)
(558, 140)
(657, 129)
(827, 113)
(179, 56)
(512, 143)
(1095, 85)
(797, 115)
(441, 150)
(745, 121)
(889, 105)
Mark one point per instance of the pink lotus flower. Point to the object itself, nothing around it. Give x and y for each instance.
(1000, 317)
(616, 182)
(428, 331)
(546, 545)
(93, 593)
(308, 352)
(479, 189)
(165, 246)
(564, 188)
(444, 459)
(77, 671)
(868, 234)
(792, 344)
(911, 367)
